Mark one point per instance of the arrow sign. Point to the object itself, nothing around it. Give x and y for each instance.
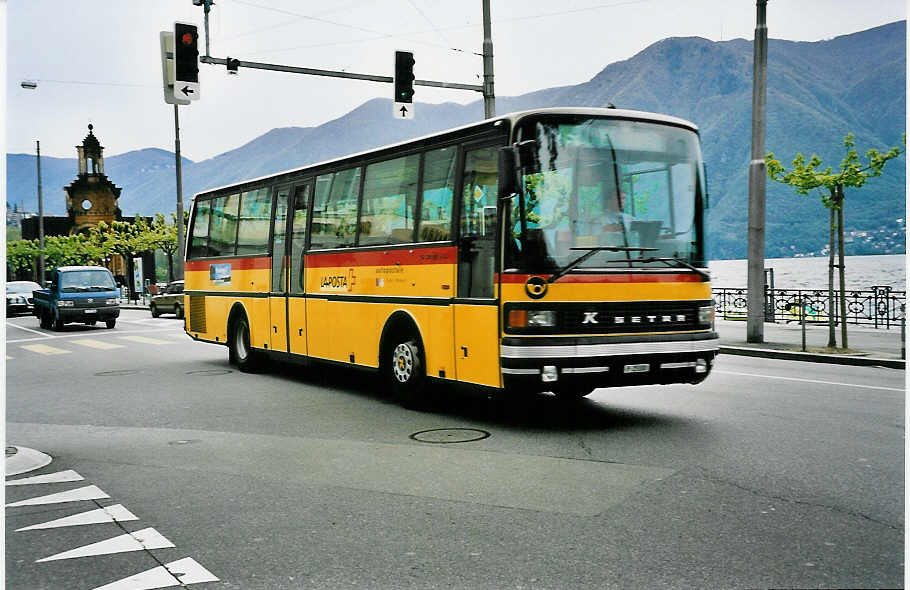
(189, 90)
(403, 110)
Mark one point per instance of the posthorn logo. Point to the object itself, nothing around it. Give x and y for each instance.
(536, 287)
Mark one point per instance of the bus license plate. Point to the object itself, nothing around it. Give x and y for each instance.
(642, 368)
(91, 311)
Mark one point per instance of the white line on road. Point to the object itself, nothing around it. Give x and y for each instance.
(99, 344)
(809, 381)
(86, 493)
(82, 334)
(27, 330)
(45, 349)
(115, 513)
(177, 573)
(138, 541)
(58, 477)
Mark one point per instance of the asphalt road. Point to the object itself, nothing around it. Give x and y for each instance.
(770, 474)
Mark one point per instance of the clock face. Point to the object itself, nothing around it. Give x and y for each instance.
(86, 204)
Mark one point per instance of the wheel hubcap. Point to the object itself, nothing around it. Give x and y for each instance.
(402, 363)
(241, 342)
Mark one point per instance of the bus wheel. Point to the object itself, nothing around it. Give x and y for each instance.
(407, 374)
(241, 354)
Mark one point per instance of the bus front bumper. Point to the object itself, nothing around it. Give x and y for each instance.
(543, 364)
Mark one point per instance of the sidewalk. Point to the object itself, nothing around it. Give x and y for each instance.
(868, 346)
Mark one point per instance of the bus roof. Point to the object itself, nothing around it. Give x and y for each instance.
(511, 117)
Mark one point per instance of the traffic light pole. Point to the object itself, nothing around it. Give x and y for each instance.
(486, 89)
(179, 221)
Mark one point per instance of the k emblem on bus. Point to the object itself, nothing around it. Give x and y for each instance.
(536, 287)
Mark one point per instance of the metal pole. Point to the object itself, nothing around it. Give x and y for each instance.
(180, 238)
(40, 221)
(206, 9)
(489, 99)
(904, 338)
(756, 244)
(802, 319)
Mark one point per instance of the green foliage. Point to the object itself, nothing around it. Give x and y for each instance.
(21, 254)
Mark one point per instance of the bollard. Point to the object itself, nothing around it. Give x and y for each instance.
(802, 320)
(903, 338)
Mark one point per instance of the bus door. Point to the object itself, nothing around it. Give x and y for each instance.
(476, 309)
(278, 292)
(298, 220)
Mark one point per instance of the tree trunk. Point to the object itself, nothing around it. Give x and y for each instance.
(170, 266)
(832, 342)
(129, 278)
(840, 253)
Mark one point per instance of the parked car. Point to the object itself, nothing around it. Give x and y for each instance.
(170, 301)
(85, 294)
(19, 297)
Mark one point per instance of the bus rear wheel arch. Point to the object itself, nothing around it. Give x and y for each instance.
(240, 353)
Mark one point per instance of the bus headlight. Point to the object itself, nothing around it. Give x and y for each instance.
(706, 315)
(541, 318)
(529, 318)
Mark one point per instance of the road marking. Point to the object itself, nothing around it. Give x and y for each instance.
(144, 340)
(58, 477)
(811, 381)
(86, 493)
(138, 541)
(82, 334)
(176, 573)
(44, 349)
(115, 513)
(26, 329)
(97, 344)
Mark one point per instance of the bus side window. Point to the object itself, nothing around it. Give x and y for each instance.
(389, 200)
(298, 236)
(253, 222)
(335, 210)
(223, 235)
(438, 190)
(199, 243)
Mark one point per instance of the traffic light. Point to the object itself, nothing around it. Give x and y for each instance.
(186, 53)
(404, 76)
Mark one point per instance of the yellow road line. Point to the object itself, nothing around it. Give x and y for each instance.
(144, 340)
(45, 349)
(97, 344)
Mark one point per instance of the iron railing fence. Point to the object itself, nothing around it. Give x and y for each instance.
(881, 307)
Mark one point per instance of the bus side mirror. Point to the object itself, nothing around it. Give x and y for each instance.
(515, 161)
(704, 176)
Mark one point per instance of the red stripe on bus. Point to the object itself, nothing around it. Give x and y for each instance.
(611, 278)
(260, 262)
(402, 256)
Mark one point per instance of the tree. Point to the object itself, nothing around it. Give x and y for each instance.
(854, 174)
(20, 255)
(129, 240)
(166, 240)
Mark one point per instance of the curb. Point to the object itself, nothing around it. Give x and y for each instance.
(857, 361)
(25, 460)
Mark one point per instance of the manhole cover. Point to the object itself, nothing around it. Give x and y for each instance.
(449, 435)
(211, 372)
(190, 441)
(119, 373)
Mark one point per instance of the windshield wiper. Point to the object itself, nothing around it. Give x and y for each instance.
(591, 252)
(666, 261)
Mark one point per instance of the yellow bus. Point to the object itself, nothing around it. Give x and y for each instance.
(556, 250)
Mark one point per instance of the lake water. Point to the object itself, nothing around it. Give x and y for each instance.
(862, 272)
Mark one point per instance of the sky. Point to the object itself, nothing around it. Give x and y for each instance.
(98, 61)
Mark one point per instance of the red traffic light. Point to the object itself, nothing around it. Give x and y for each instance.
(187, 39)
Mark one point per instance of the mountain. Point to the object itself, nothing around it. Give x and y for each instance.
(817, 93)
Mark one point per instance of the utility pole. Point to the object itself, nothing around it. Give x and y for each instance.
(40, 222)
(489, 98)
(181, 241)
(756, 245)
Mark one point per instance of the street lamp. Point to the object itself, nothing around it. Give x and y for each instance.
(32, 85)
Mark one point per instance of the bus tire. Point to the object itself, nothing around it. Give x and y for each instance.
(241, 354)
(407, 373)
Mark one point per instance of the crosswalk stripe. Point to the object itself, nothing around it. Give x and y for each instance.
(115, 513)
(100, 344)
(176, 573)
(144, 340)
(86, 493)
(58, 477)
(138, 541)
(44, 349)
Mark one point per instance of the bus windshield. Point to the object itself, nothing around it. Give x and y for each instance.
(599, 183)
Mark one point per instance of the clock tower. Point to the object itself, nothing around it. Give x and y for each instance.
(92, 197)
